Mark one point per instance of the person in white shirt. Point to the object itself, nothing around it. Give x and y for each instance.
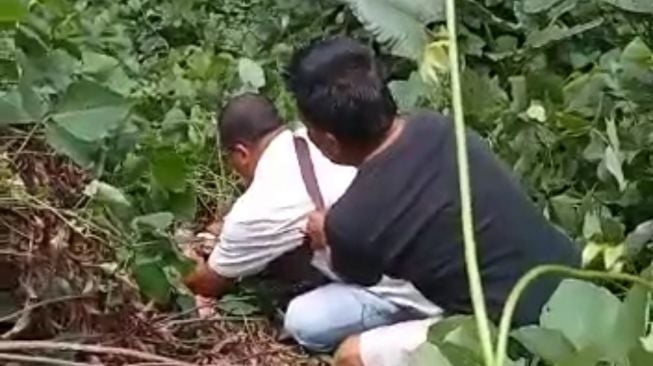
(269, 220)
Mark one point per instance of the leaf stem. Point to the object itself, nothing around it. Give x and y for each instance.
(471, 260)
(530, 276)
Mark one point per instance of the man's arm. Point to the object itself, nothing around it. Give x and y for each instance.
(348, 259)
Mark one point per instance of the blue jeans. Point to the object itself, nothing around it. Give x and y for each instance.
(320, 319)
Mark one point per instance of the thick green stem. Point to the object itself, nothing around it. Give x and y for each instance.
(522, 284)
(471, 261)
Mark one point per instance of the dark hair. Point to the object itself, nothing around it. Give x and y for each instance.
(340, 88)
(246, 119)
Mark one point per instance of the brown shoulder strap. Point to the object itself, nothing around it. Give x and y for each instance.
(308, 172)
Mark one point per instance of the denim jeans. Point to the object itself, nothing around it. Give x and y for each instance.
(322, 318)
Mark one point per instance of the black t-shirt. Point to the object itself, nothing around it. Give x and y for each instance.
(401, 217)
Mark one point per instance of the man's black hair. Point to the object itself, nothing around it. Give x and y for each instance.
(340, 88)
(246, 119)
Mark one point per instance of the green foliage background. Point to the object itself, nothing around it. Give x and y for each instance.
(562, 89)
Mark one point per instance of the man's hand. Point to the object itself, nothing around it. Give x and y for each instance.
(315, 230)
(205, 281)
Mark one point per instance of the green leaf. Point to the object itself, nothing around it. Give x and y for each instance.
(83, 153)
(106, 193)
(482, 95)
(630, 324)
(89, 111)
(429, 355)
(152, 281)
(564, 210)
(519, 93)
(408, 93)
(594, 325)
(583, 94)
(97, 63)
(461, 356)
(588, 356)
(183, 204)
(592, 225)
(538, 6)
(613, 164)
(169, 170)
(549, 344)
(12, 110)
(635, 6)
(399, 24)
(251, 73)
(555, 32)
(12, 11)
(158, 221)
(236, 306)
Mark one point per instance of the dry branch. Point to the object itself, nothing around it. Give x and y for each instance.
(63, 346)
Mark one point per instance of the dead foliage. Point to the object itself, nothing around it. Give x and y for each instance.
(58, 282)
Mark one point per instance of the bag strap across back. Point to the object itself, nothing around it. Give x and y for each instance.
(308, 172)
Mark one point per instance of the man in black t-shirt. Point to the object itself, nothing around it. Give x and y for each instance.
(401, 214)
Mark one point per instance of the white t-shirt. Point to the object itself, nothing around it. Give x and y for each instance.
(269, 218)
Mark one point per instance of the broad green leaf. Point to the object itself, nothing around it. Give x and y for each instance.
(251, 73)
(106, 193)
(399, 24)
(97, 63)
(152, 281)
(12, 110)
(169, 170)
(439, 330)
(636, 6)
(538, 6)
(236, 306)
(564, 210)
(408, 93)
(583, 94)
(640, 357)
(89, 111)
(462, 356)
(12, 11)
(588, 356)
(613, 164)
(158, 221)
(549, 344)
(173, 118)
(630, 324)
(519, 93)
(482, 95)
(83, 153)
(184, 204)
(592, 225)
(595, 150)
(430, 355)
(555, 32)
(594, 325)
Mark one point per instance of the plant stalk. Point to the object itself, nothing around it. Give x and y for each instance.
(530, 276)
(471, 259)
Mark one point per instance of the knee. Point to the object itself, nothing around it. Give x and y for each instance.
(348, 353)
(306, 325)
